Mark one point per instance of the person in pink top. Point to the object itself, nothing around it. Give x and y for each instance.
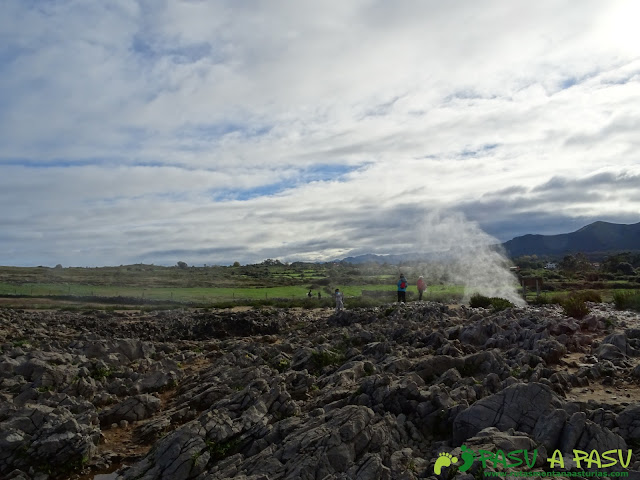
(422, 286)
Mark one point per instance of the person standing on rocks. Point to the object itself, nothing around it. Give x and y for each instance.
(338, 296)
(402, 289)
(422, 286)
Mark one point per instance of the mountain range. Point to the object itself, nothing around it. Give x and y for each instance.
(595, 237)
(601, 237)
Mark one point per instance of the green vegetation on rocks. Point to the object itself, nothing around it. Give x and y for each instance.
(627, 300)
(498, 304)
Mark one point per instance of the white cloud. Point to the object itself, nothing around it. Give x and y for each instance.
(305, 129)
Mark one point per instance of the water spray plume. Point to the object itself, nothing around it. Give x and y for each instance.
(468, 256)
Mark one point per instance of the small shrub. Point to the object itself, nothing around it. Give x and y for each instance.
(500, 304)
(621, 299)
(479, 301)
(497, 303)
(324, 358)
(222, 450)
(575, 307)
(100, 373)
(283, 365)
(541, 300)
(557, 299)
(627, 300)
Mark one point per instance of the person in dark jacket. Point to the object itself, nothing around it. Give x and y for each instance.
(402, 289)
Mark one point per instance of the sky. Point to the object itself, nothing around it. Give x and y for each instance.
(209, 132)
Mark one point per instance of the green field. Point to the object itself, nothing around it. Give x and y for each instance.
(213, 285)
(204, 294)
(268, 283)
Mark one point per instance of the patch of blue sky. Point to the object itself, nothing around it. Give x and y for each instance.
(8, 54)
(168, 197)
(174, 196)
(315, 173)
(478, 151)
(572, 80)
(467, 94)
(327, 172)
(52, 163)
(179, 54)
(268, 190)
(215, 131)
(568, 83)
(9, 61)
(140, 46)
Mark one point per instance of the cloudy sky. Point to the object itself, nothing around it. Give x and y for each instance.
(218, 131)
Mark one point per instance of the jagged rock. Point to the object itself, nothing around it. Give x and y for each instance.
(592, 322)
(132, 409)
(435, 366)
(550, 350)
(156, 382)
(607, 351)
(150, 431)
(368, 393)
(519, 407)
(629, 422)
(481, 330)
(623, 344)
(41, 436)
(549, 428)
(604, 418)
(582, 434)
(493, 439)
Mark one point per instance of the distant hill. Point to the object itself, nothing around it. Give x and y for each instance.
(596, 237)
(601, 237)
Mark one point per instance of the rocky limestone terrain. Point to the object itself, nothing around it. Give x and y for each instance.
(376, 393)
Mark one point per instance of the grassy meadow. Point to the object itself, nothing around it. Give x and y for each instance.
(267, 283)
(270, 283)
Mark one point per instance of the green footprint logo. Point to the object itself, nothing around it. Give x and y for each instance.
(467, 456)
(444, 460)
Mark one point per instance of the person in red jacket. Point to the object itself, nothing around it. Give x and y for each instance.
(422, 286)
